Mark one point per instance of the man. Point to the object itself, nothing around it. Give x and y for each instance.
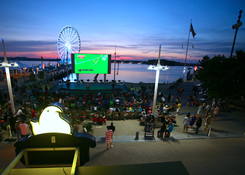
(198, 123)
(162, 130)
(20, 114)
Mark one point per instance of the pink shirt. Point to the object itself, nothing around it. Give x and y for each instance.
(108, 135)
(24, 128)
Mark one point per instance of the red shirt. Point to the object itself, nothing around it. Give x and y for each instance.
(33, 113)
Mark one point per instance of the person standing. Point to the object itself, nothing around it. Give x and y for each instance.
(198, 123)
(186, 122)
(192, 120)
(33, 113)
(200, 110)
(208, 121)
(215, 111)
(112, 127)
(108, 137)
(24, 129)
(169, 129)
(162, 130)
(178, 107)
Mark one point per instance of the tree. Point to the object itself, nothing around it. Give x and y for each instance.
(223, 77)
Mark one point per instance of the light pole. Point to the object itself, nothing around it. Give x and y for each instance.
(115, 54)
(157, 68)
(7, 65)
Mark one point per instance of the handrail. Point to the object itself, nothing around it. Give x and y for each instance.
(19, 156)
(75, 160)
(13, 163)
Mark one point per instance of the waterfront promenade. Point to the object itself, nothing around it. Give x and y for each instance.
(222, 152)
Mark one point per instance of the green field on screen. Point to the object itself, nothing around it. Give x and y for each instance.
(91, 63)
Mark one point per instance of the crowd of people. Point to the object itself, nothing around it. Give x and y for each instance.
(131, 102)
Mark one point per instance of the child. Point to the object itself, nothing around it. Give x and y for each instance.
(108, 137)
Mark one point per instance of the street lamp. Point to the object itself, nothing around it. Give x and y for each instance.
(157, 68)
(7, 65)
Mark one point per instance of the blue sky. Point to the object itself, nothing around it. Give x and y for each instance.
(30, 28)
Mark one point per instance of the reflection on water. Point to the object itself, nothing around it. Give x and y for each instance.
(136, 73)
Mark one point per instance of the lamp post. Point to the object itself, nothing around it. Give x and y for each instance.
(115, 54)
(157, 68)
(7, 65)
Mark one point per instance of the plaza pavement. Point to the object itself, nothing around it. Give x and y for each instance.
(226, 125)
(199, 156)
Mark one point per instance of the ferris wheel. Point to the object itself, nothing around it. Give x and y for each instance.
(68, 42)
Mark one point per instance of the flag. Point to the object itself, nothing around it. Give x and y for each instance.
(192, 31)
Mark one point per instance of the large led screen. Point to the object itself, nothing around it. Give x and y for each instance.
(85, 63)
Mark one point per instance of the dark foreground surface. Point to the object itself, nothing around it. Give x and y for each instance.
(205, 156)
(198, 156)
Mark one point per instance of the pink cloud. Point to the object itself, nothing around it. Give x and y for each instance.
(45, 54)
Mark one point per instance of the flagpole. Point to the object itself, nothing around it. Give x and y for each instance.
(188, 41)
(118, 67)
(114, 77)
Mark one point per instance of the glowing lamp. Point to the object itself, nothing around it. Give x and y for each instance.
(195, 68)
(50, 121)
(158, 67)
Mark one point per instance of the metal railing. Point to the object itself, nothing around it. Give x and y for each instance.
(11, 166)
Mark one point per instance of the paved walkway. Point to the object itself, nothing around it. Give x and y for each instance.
(226, 125)
(199, 156)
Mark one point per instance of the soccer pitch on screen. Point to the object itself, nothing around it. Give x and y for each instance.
(85, 63)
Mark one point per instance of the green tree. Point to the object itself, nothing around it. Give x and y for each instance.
(223, 77)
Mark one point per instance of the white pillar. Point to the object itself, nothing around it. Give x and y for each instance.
(10, 89)
(154, 110)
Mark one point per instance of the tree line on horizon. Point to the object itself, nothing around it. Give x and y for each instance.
(148, 62)
(154, 62)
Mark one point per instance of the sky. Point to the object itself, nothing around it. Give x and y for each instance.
(134, 28)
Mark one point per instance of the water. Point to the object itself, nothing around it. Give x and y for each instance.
(135, 73)
(23, 64)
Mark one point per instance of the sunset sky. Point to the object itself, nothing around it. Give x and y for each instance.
(31, 27)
